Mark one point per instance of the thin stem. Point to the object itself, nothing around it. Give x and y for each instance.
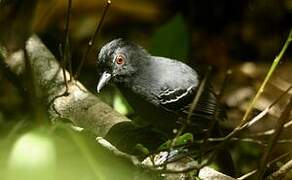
(64, 51)
(67, 56)
(193, 105)
(243, 123)
(92, 40)
(198, 95)
(267, 78)
(271, 131)
(264, 112)
(63, 68)
(238, 129)
(280, 173)
(191, 110)
(280, 125)
(277, 159)
(213, 123)
(247, 175)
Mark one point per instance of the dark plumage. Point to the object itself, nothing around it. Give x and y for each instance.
(159, 89)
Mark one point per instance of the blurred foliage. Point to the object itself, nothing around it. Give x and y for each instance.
(33, 156)
(171, 39)
(120, 104)
(59, 153)
(243, 156)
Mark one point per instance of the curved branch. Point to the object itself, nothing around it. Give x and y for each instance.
(81, 107)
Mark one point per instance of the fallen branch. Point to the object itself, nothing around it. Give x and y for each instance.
(81, 107)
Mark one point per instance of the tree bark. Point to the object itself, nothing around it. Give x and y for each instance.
(80, 106)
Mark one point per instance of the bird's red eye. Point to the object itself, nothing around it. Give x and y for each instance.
(120, 59)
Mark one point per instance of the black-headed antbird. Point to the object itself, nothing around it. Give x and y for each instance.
(159, 89)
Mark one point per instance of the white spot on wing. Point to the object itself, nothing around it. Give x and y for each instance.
(178, 97)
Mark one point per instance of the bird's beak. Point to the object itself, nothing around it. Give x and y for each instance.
(103, 80)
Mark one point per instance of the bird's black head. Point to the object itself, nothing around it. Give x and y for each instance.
(119, 60)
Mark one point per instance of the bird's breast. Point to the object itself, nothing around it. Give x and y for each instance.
(148, 109)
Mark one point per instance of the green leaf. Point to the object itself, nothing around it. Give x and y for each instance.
(141, 148)
(120, 104)
(171, 40)
(179, 141)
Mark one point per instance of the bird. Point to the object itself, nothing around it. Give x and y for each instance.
(159, 89)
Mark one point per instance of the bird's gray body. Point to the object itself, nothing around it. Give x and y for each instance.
(147, 87)
(150, 83)
(159, 89)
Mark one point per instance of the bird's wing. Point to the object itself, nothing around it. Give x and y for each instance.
(178, 86)
(175, 99)
(179, 101)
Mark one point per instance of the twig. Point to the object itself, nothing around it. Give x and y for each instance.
(193, 106)
(67, 53)
(198, 95)
(280, 125)
(272, 131)
(267, 78)
(278, 158)
(63, 64)
(246, 125)
(216, 140)
(213, 124)
(92, 40)
(256, 118)
(280, 173)
(221, 92)
(268, 165)
(264, 112)
(191, 110)
(248, 140)
(247, 175)
(238, 129)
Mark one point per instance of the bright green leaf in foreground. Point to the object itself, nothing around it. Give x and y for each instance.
(179, 141)
(33, 156)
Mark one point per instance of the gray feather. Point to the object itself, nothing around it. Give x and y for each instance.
(158, 88)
